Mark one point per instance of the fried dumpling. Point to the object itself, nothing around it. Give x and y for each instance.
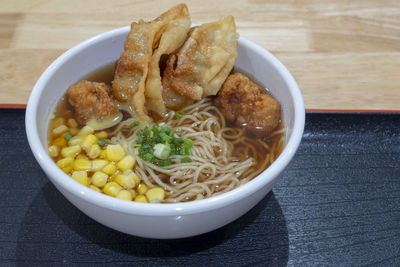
(202, 64)
(133, 66)
(172, 38)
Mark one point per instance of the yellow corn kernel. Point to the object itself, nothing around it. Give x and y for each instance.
(82, 165)
(88, 142)
(142, 188)
(103, 154)
(101, 135)
(71, 122)
(126, 163)
(95, 188)
(155, 194)
(86, 130)
(140, 198)
(112, 177)
(81, 177)
(71, 151)
(112, 189)
(75, 140)
(74, 131)
(94, 151)
(81, 156)
(133, 192)
(53, 151)
(67, 169)
(99, 179)
(62, 163)
(125, 195)
(125, 181)
(58, 121)
(110, 169)
(59, 130)
(133, 175)
(60, 142)
(115, 152)
(98, 164)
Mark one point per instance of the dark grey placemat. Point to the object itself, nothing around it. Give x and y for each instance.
(338, 203)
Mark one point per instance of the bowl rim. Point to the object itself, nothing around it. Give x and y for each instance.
(58, 177)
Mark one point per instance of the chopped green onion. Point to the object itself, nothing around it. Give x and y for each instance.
(179, 114)
(184, 151)
(188, 143)
(165, 138)
(157, 143)
(101, 143)
(164, 162)
(186, 159)
(155, 128)
(67, 136)
(146, 146)
(148, 157)
(177, 141)
(162, 151)
(146, 131)
(134, 124)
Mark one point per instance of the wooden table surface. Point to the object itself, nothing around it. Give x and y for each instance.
(344, 54)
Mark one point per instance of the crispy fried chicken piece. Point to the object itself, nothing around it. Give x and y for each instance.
(91, 100)
(245, 104)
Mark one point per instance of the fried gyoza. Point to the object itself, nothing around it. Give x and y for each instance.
(202, 64)
(171, 39)
(131, 69)
(133, 66)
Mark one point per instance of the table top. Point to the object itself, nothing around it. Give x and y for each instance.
(337, 204)
(343, 54)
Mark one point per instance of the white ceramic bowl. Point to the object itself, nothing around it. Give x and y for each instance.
(159, 220)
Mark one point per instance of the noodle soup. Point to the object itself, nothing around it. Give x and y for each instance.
(221, 158)
(169, 121)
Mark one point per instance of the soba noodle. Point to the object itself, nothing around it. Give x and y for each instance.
(222, 157)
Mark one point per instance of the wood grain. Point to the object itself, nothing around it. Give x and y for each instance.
(343, 54)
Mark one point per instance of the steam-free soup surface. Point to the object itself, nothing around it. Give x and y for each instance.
(221, 157)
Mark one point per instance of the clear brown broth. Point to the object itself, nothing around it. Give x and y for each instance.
(105, 74)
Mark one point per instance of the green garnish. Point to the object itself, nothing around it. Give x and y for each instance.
(188, 143)
(101, 143)
(183, 151)
(148, 157)
(67, 136)
(164, 162)
(178, 141)
(162, 151)
(186, 159)
(134, 124)
(158, 143)
(179, 114)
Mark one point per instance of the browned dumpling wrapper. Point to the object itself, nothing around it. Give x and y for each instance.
(171, 39)
(202, 64)
(135, 63)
